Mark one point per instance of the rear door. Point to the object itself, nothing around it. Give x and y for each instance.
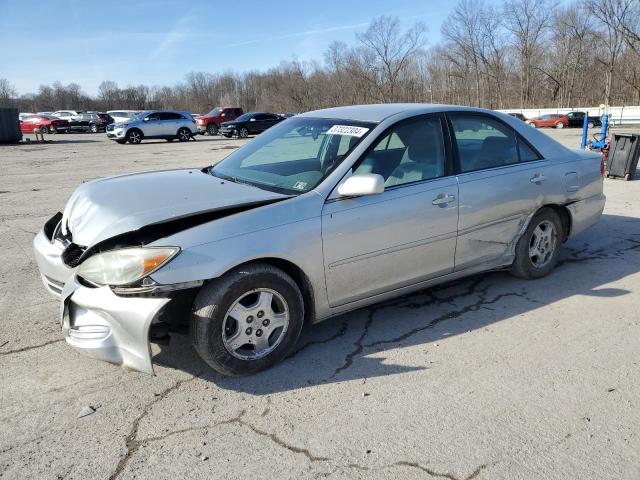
(407, 234)
(501, 180)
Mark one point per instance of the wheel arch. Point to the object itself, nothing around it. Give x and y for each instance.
(565, 218)
(296, 273)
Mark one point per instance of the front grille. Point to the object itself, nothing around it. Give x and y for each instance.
(71, 255)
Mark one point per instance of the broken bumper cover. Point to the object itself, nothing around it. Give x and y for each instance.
(96, 321)
(108, 327)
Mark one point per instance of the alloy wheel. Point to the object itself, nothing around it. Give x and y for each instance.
(255, 324)
(542, 244)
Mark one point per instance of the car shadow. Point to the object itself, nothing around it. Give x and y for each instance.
(355, 346)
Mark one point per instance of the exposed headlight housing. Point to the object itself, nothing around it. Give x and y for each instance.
(121, 125)
(125, 266)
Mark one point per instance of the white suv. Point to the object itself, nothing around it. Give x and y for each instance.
(169, 125)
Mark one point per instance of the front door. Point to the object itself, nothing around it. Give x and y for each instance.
(407, 234)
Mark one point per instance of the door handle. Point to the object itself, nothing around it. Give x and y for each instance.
(443, 199)
(537, 178)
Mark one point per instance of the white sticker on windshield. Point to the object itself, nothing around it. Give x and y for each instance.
(300, 185)
(347, 130)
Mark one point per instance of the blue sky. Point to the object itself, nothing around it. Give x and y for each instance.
(157, 42)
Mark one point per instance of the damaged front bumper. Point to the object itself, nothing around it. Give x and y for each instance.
(108, 327)
(95, 320)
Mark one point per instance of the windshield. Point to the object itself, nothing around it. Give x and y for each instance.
(293, 156)
(215, 112)
(139, 116)
(244, 118)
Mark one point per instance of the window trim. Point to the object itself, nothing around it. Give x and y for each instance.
(446, 139)
(518, 136)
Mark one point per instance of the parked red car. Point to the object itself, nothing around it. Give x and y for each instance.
(549, 120)
(210, 123)
(43, 124)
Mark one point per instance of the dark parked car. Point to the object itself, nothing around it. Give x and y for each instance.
(576, 119)
(250, 124)
(92, 122)
(519, 116)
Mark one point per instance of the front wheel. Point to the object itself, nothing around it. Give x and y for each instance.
(243, 133)
(247, 320)
(134, 136)
(591, 124)
(531, 124)
(94, 128)
(212, 129)
(43, 129)
(538, 249)
(184, 135)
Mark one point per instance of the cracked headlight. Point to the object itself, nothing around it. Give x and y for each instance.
(125, 266)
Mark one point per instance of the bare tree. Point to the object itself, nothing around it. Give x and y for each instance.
(7, 93)
(528, 21)
(389, 52)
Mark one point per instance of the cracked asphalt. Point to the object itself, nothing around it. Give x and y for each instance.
(491, 377)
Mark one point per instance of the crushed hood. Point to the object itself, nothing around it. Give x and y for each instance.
(104, 208)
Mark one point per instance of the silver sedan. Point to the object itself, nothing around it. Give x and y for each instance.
(326, 212)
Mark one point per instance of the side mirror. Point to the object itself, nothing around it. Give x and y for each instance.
(146, 119)
(360, 185)
(252, 119)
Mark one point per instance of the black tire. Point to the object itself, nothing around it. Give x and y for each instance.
(43, 129)
(134, 136)
(183, 135)
(212, 129)
(243, 133)
(217, 296)
(93, 128)
(524, 265)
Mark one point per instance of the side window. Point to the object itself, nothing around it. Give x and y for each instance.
(411, 152)
(170, 116)
(153, 116)
(483, 142)
(527, 154)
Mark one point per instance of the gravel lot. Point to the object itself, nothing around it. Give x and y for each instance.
(488, 378)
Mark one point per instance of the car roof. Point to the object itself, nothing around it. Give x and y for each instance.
(376, 113)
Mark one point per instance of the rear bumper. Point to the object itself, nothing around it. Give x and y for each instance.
(585, 213)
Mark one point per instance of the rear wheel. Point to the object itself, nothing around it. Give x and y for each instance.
(212, 129)
(94, 128)
(538, 249)
(247, 320)
(134, 136)
(559, 125)
(531, 124)
(184, 135)
(43, 129)
(243, 133)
